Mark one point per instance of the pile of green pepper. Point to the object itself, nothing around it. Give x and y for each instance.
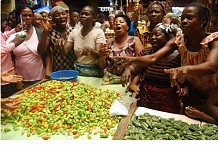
(150, 127)
(63, 107)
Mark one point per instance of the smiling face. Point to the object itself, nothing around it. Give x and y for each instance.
(158, 39)
(120, 26)
(190, 20)
(60, 18)
(27, 16)
(87, 16)
(37, 20)
(155, 14)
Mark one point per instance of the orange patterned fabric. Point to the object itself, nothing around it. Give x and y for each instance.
(205, 83)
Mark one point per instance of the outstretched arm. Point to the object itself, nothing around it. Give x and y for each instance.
(148, 60)
(209, 67)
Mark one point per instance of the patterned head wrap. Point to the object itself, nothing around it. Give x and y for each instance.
(163, 5)
(54, 9)
(169, 30)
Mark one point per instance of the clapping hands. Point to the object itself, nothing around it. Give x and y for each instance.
(86, 50)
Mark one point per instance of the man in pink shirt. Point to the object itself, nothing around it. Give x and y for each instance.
(8, 89)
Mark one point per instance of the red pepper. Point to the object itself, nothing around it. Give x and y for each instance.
(45, 138)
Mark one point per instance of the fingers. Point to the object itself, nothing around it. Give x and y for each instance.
(85, 51)
(10, 70)
(176, 75)
(16, 103)
(16, 78)
(5, 100)
(167, 70)
(123, 65)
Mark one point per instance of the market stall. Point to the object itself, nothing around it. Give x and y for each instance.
(8, 131)
(120, 130)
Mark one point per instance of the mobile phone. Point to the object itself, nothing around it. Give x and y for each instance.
(21, 18)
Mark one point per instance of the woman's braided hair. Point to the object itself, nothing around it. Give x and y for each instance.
(169, 30)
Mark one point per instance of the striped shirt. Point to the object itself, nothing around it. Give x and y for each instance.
(155, 74)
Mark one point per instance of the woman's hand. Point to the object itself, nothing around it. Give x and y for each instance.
(20, 26)
(9, 77)
(103, 52)
(183, 92)
(8, 103)
(59, 43)
(18, 40)
(133, 88)
(126, 77)
(47, 24)
(47, 72)
(123, 61)
(86, 50)
(177, 75)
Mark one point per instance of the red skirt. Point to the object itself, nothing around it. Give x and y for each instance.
(162, 99)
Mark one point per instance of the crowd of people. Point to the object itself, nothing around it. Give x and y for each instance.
(172, 66)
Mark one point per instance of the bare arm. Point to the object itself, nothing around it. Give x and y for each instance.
(210, 66)
(43, 42)
(148, 60)
(68, 46)
(48, 68)
(130, 71)
(136, 18)
(103, 56)
(206, 68)
(104, 26)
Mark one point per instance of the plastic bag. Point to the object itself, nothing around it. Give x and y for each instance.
(122, 106)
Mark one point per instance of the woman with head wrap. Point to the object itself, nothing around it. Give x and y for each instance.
(155, 90)
(155, 13)
(172, 19)
(54, 30)
(199, 62)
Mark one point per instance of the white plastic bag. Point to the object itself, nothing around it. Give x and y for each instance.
(14, 35)
(122, 106)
